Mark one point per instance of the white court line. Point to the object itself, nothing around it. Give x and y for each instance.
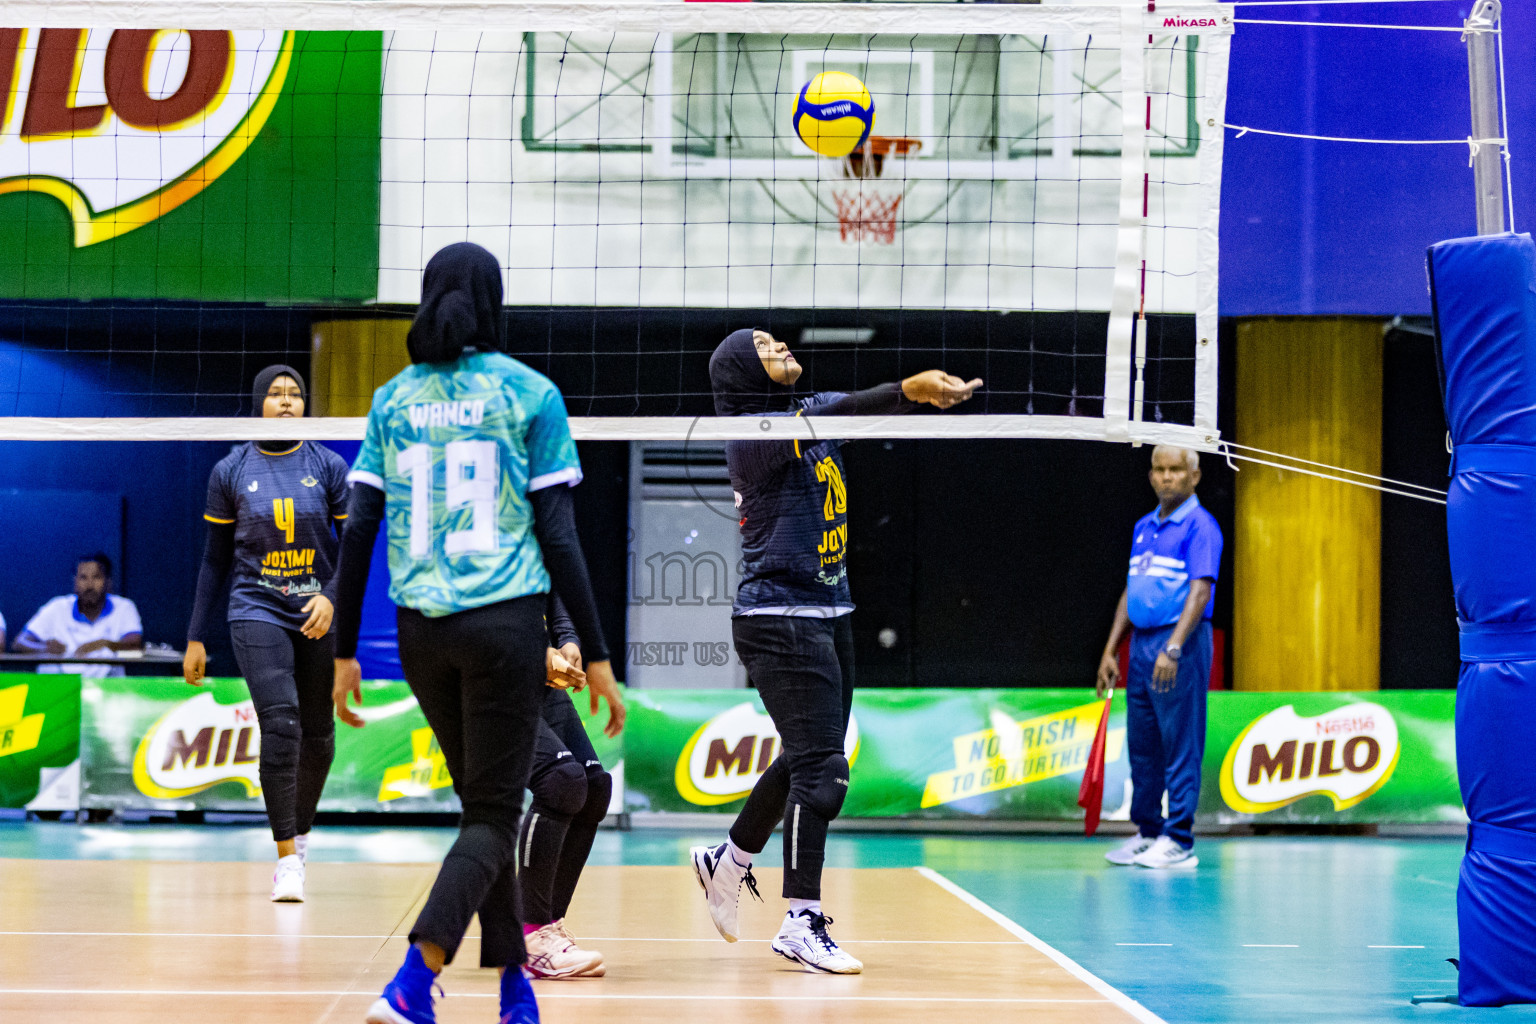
(1270, 945)
(1072, 967)
(475, 938)
(731, 997)
(1143, 943)
(1394, 947)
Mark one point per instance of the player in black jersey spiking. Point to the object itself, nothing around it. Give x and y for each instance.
(272, 512)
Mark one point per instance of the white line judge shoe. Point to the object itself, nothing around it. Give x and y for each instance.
(1126, 853)
(1165, 853)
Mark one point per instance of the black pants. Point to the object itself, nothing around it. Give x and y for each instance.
(571, 793)
(803, 669)
(289, 676)
(479, 677)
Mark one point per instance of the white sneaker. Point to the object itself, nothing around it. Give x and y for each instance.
(552, 955)
(301, 847)
(288, 880)
(1165, 853)
(803, 939)
(720, 877)
(565, 933)
(1126, 853)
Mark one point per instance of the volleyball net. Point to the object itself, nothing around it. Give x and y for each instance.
(191, 191)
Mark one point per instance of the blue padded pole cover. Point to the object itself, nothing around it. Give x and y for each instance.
(1484, 296)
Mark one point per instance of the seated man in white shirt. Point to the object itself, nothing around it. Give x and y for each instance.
(93, 621)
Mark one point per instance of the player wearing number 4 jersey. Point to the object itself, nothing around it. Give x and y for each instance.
(469, 461)
(271, 509)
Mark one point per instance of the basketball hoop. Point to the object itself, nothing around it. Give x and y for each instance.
(868, 204)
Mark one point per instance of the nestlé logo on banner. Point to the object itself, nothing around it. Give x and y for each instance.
(1346, 754)
(197, 745)
(728, 754)
(124, 126)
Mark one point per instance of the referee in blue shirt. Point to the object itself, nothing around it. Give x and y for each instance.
(1167, 602)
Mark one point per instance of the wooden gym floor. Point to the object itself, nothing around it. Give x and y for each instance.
(129, 923)
(114, 942)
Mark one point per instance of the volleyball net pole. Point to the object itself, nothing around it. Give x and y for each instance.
(1483, 66)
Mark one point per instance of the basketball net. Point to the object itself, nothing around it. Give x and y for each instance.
(868, 204)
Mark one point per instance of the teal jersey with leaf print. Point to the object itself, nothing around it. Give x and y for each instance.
(457, 448)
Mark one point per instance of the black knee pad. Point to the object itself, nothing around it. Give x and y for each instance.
(280, 736)
(316, 727)
(599, 796)
(319, 748)
(502, 819)
(822, 787)
(560, 790)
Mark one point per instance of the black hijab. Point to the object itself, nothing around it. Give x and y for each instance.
(264, 381)
(740, 381)
(460, 306)
(259, 390)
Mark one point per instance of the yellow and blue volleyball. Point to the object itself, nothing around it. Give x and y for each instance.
(834, 114)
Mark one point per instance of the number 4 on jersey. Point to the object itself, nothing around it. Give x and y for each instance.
(282, 514)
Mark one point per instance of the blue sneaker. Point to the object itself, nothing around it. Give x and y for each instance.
(517, 1003)
(407, 999)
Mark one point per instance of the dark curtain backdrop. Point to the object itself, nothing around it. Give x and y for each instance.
(974, 563)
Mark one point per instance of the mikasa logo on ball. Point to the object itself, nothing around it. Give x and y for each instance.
(124, 126)
(1346, 754)
(726, 756)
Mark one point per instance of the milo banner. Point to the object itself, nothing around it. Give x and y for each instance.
(39, 741)
(935, 753)
(1331, 757)
(1020, 754)
(208, 165)
(159, 743)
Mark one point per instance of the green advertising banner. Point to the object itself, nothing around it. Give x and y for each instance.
(39, 733)
(932, 753)
(161, 744)
(1388, 756)
(255, 179)
(1019, 754)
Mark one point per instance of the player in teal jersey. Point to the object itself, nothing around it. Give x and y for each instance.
(456, 452)
(468, 459)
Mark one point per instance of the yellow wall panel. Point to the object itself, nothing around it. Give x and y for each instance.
(349, 359)
(1307, 552)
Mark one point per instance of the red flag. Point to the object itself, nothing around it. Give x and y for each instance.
(1090, 795)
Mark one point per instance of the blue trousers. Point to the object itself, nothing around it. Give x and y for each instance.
(1166, 733)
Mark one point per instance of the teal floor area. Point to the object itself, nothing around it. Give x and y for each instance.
(1266, 929)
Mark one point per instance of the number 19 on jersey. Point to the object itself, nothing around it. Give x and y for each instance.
(473, 476)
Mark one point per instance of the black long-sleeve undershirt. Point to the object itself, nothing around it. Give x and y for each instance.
(554, 525)
(562, 630)
(880, 400)
(365, 511)
(218, 559)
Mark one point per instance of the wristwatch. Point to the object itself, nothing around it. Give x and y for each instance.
(1173, 651)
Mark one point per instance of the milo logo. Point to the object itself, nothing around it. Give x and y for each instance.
(197, 745)
(1346, 754)
(726, 756)
(124, 126)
